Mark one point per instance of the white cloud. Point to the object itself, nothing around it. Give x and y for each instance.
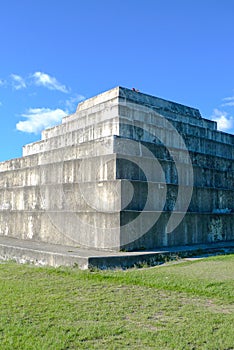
(229, 101)
(2, 82)
(230, 98)
(17, 82)
(228, 104)
(224, 121)
(38, 119)
(43, 79)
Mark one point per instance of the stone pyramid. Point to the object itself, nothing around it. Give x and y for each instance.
(126, 171)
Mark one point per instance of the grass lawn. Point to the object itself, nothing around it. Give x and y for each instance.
(184, 305)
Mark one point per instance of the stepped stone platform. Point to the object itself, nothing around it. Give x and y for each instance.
(47, 254)
(126, 171)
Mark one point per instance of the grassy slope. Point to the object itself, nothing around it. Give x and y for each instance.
(188, 305)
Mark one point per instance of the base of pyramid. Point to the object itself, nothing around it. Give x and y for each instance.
(44, 254)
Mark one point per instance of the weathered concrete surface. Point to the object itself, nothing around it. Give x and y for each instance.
(44, 254)
(112, 175)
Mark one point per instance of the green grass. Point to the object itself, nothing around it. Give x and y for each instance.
(187, 305)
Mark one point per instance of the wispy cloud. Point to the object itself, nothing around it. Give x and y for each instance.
(72, 102)
(228, 101)
(43, 79)
(228, 104)
(230, 98)
(38, 78)
(38, 119)
(18, 82)
(225, 122)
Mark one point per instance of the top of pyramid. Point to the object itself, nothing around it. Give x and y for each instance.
(134, 96)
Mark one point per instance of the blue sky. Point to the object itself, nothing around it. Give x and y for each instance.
(55, 53)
